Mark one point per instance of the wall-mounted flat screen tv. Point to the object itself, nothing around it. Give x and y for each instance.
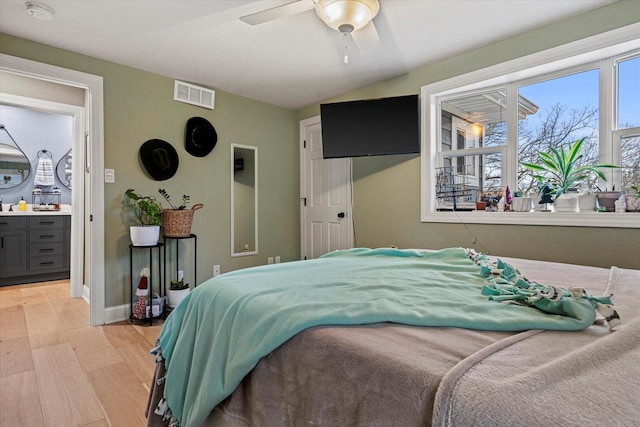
(372, 127)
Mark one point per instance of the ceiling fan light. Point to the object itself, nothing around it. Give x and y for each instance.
(347, 15)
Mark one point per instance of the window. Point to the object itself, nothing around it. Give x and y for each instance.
(479, 127)
(472, 143)
(628, 92)
(566, 109)
(628, 119)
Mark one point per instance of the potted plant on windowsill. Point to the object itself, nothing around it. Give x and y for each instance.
(607, 199)
(148, 215)
(561, 172)
(633, 199)
(177, 220)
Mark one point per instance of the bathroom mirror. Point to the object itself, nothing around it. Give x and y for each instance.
(244, 200)
(14, 166)
(63, 170)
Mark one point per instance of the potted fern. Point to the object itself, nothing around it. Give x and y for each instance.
(148, 215)
(560, 170)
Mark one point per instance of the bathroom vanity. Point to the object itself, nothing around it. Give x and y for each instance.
(34, 247)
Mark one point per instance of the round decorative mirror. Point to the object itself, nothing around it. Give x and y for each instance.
(63, 169)
(14, 166)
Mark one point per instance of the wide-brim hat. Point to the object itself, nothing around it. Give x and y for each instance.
(159, 158)
(200, 137)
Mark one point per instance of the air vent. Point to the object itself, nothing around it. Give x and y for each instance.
(195, 95)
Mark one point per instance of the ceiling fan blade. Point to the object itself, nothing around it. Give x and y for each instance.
(278, 12)
(366, 39)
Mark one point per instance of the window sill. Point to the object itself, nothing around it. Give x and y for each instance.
(571, 219)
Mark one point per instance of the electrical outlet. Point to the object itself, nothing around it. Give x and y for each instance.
(270, 260)
(216, 270)
(277, 259)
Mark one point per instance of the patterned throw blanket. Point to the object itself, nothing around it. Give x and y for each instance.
(222, 329)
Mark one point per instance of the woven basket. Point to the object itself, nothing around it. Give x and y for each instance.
(177, 222)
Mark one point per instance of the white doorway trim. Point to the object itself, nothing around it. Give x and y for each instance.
(94, 162)
(303, 177)
(77, 184)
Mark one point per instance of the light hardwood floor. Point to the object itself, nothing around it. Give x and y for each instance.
(56, 370)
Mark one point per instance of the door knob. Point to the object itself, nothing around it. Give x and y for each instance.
(341, 215)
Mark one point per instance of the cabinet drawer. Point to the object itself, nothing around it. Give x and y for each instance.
(41, 249)
(46, 222)
(41, 236)
(37, 263)
(13, 223)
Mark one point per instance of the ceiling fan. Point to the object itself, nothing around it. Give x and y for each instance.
(349, 17)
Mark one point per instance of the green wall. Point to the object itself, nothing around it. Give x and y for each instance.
(139, 106)
(387, 189)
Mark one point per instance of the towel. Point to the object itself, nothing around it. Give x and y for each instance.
(44, 173)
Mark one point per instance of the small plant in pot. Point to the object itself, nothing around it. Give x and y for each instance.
(560, 169)
(148, 215)
(177, 291)
(177, 220)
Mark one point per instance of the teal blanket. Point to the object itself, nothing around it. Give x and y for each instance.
(223, 328)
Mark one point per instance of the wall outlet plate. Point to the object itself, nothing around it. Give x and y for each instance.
(216, 270)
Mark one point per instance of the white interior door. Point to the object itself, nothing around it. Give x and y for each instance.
(325, 194)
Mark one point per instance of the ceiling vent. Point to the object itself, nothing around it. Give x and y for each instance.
(192, 94)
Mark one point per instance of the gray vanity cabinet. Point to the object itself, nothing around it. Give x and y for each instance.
(46, 237)
(13, 247)
(34, 248)
(66, 254)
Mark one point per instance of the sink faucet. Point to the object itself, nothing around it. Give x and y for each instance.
(11, 207)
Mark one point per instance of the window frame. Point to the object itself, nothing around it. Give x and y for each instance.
(589, 53)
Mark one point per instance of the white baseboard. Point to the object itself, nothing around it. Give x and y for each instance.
(117, 313)
(111, 314)
(86, 293)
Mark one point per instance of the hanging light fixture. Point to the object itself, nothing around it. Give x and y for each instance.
(347, 15)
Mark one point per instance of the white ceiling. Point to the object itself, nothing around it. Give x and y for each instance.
(291, 62)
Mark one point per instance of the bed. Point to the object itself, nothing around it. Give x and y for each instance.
(388, 337)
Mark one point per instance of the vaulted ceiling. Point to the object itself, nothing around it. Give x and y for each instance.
(292, 62)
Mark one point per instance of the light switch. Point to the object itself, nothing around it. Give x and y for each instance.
(110, 176)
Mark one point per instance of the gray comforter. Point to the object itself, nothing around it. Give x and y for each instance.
(387, 374)
(545, 378)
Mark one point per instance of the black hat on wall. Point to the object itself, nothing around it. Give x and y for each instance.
(200, 137)
(159, 158)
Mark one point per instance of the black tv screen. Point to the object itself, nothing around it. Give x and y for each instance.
(372, 127)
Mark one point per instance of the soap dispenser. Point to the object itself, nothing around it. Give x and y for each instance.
(22, 205)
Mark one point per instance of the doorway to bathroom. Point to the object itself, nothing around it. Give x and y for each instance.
(47, 134)
(87, 228)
